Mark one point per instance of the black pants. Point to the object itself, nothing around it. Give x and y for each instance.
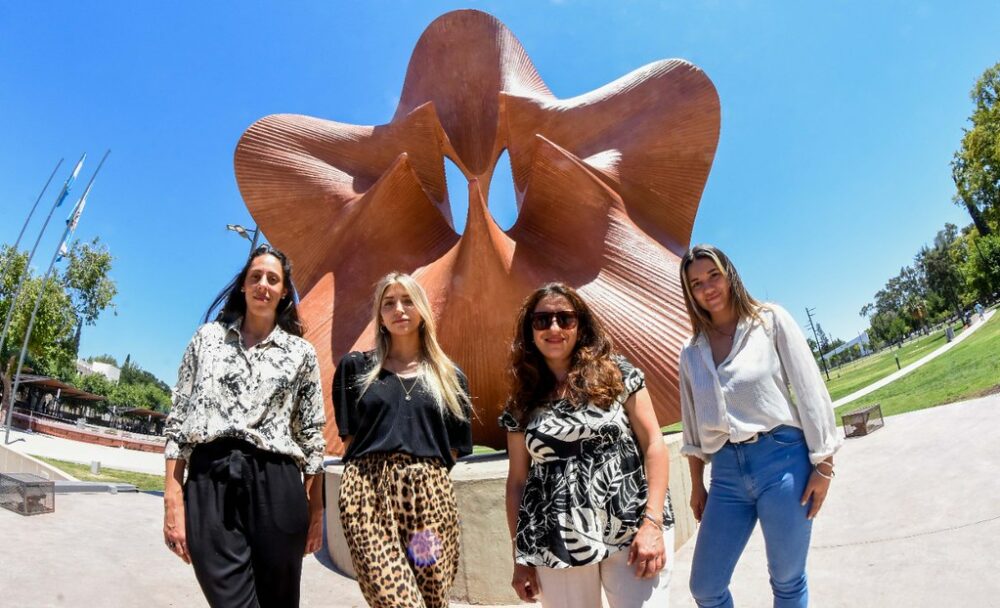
(247, 520)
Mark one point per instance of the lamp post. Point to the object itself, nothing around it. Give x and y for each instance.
(245, 233)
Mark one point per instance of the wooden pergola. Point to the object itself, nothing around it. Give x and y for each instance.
(54, 384)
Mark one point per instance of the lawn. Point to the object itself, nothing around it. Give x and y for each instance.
(143, 481)
(862, 372)
(969, 370)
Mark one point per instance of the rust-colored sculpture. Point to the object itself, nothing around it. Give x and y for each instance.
(607, 183)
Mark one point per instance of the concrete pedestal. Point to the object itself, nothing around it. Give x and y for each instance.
(485, 568)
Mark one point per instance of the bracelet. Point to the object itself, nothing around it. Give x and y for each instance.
(824, 475)
(826, 462)
(658, 522)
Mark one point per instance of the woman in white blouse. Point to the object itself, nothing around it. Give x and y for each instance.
(771, 455)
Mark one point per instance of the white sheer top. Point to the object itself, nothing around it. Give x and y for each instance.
(749, 391)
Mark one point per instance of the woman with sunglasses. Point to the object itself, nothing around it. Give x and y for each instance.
(587, 503)
(246, 423)
(403, 412)
(771, 455)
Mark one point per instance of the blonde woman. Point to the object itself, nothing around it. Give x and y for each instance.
(771, 455)
(403, 412)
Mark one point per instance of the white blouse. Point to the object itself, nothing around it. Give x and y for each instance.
(269, 395)
(748, 392)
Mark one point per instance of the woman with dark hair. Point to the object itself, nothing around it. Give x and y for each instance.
(403, 413)
(587, 502)
(771, 455)
(247, 422)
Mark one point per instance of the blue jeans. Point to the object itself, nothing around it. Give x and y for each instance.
(763, 480)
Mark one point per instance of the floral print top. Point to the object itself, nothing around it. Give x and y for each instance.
(586, 490)
(269, 395)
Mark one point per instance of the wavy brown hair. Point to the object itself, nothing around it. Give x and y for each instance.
(593, 376)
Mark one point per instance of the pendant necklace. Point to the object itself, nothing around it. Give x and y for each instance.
(726, 334)
(406, 392)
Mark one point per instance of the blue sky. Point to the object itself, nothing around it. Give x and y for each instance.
(838, 123)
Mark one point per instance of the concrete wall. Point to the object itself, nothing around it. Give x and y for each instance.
(115, 438)
(14, 462)
(486, 566)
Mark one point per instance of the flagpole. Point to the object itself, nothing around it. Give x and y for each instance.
(24, 275)
(71, 223)
(17, 243)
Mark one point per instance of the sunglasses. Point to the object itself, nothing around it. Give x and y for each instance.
(565, 319)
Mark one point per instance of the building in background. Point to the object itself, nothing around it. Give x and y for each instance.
(107, 370)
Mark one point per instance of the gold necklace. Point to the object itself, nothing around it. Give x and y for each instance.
(406, 393)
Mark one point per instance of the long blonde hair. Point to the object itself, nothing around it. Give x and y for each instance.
(744, 304)
(436, 371)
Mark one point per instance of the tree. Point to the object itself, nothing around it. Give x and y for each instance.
(823, 339)
(109, 359)
(133, 374)
(96, 384)
(940, 265)
(982, 266)
(78, 294)
(976, 165)
(148, 396)
(88, 284)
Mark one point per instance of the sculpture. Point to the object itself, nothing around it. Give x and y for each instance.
(607, 183)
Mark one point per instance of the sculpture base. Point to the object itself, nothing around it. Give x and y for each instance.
(485, 565)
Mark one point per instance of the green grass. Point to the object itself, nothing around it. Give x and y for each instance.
(860, 373)
(482, 449)
(143, 481)
(672, 428)
(969, 370)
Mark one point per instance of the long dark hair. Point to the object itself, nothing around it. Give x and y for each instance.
(231, 302)
(593, 375)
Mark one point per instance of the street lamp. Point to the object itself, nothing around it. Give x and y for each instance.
(245, 233)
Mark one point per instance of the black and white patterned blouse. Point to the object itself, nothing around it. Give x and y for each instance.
(269, 395)
(586, 490)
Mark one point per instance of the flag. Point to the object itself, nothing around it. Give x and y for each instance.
(63, 251)
(70, 180)
(74, 217)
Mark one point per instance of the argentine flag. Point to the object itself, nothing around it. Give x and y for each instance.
(70, 180)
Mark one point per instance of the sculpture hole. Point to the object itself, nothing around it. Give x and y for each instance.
(458, 194)
(502, 200)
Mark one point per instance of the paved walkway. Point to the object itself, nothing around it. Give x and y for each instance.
(923, 360)
(913, 520)
(38, 444)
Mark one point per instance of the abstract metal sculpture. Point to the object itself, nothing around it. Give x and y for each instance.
(607, 185)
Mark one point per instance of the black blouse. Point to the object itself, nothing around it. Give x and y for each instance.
(382, 420)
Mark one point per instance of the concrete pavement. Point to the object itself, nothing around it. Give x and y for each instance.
(37, 444)
(913, 519)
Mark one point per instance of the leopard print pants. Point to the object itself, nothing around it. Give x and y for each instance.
(401, 524)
